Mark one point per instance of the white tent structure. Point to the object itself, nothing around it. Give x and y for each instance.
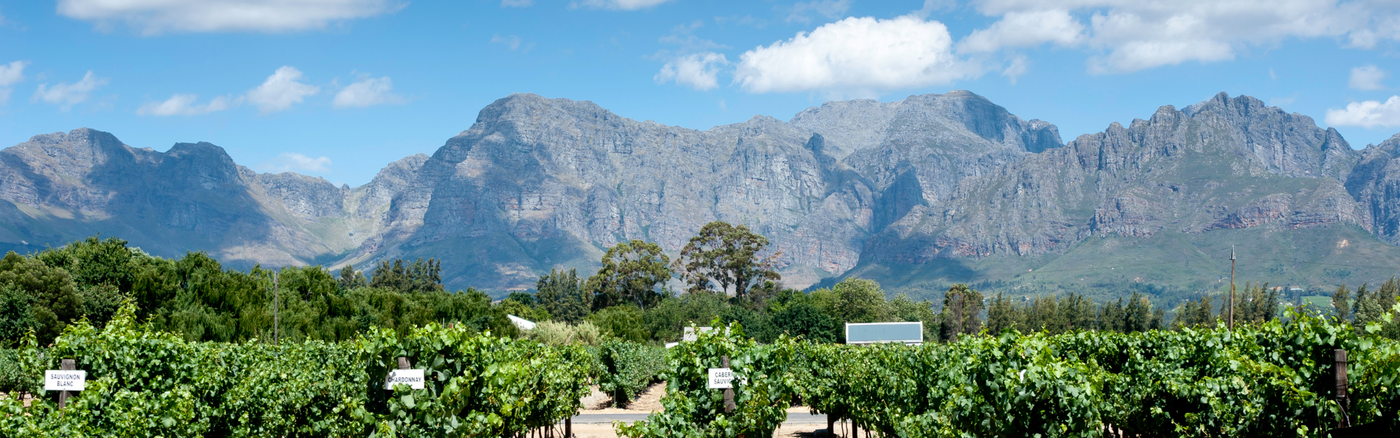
(522, 323)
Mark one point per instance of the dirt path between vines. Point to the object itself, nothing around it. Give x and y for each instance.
(650, 401)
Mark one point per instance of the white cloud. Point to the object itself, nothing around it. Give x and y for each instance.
(1367, 77)
(159, 16)
(626, 5)
(831, 9)
(1015, 68)
(1141, 34)
(517, 3)
(67, 95)
(511, 41)
(281, 90)
(184, 105)
(10, 74)
(294, 162)
(1025, 29)
(859, 56)
(1367, 114)
(697, 70)
(367, 92)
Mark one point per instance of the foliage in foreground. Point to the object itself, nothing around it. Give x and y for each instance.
(143, 382)
(1267, 380)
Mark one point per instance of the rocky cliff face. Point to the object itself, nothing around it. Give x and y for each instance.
(1222, 164)
(928, 185)
(552, 181)
(190, 198)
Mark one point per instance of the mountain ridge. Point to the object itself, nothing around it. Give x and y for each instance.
(938, 183)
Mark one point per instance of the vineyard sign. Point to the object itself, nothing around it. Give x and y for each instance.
(412, 378)
(908, 333)
(65, 380)
(721, 378)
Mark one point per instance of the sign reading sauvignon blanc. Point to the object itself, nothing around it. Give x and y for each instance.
(412, 378)
(65, 380)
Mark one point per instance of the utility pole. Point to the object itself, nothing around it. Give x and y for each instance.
(276, 302)
(1232, 288)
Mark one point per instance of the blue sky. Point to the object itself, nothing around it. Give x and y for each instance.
(339, 88)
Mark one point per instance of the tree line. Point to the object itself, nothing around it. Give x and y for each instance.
(639, 293)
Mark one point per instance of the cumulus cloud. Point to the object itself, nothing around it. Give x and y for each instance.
(10, 74)
(1024, 29)
(367, 92)
(66, 95)
(294, 162)
(1367, 114)
(281, 90)
(1141, 34)
(625, 5)
(860, 56)
(1367, 77)
(184, 105)
(160, 16)
(831, 9)
(697, 70)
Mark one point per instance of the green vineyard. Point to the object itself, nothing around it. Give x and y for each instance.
(1265, 380)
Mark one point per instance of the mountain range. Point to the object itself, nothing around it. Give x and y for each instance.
(915, 193)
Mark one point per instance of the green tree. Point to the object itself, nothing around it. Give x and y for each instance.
(56, 298)
(621, 322)
(859, 300)
(1341, 304)
(1195, 313)
(903, 308)
(1112, 317)
(16, 315)
(1077, 312)
(420, 276)
(668, 319)
(726, 257)
(1137, 315)
(962, 307)
(1002, 315)
(632, 273)
(562, 293)
(805, 319)
(351, 279)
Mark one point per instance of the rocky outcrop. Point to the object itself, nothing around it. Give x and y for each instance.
(1226, 163)
(192, 197)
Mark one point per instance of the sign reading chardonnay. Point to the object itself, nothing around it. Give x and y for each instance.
(412, 378)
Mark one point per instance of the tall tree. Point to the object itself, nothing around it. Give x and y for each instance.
(859, 300)
(563, 295)
(1002, 315)
(420, 276)
(1341, 303)
(1137, 315)
(726, 257)
(351, 279)
(632, 273)
(962, 307)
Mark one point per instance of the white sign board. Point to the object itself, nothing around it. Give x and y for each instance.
(412, 378)
(721, 378)
(65, 380)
